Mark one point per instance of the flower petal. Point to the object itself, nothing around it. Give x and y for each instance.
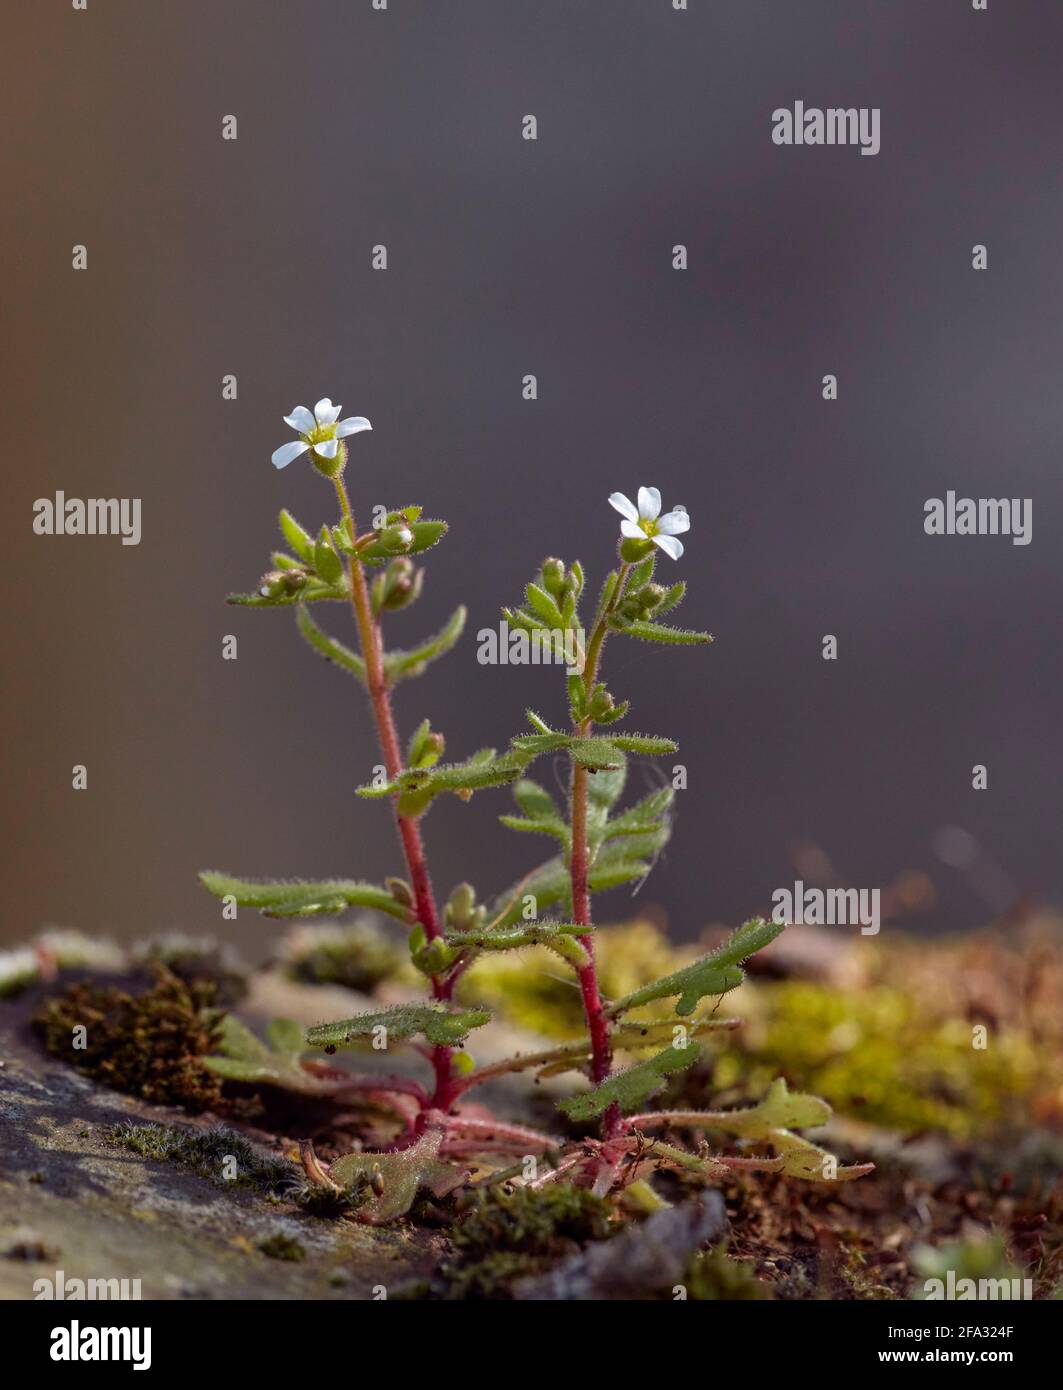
(283, 456)
(354, 424)
(632, 529)
(669, 545)
(300, 420)
(649, 503)
(674, 523)
(326, 412)
(624, 505)
(328, 448)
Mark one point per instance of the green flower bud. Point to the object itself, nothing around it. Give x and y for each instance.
(462, 1062)
(401, 891)
(461, 906)
(396, 539)
(417, 939)
(553, 576)
(651, 596)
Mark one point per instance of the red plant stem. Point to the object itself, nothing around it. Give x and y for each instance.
(579, 873)
(408, 826)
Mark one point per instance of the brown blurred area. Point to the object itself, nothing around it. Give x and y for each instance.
(507, 257)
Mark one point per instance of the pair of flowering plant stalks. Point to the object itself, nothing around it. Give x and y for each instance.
(443, 1139)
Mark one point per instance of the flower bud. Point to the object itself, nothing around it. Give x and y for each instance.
(396, 539)
(401, 891)
(461, 906)
(272, 585)
(553, 576)
(651, 596)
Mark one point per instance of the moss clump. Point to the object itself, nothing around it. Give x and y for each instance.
(712, 1276)
(150, 1045)
(880, 1055)
(282, 1247)
(207, 1152)
(197, 960)
(507, 1236)
(357, 956)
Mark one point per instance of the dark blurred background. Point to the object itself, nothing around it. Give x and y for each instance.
(507, 257)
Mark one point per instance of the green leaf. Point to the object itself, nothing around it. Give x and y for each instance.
(418, 787)
(606, 595)
(558, 937)
(296, 898)
(312, 592)
(327, 563)
(244, 1057)
(643, 743)
(641, 574)
(660, 632)
(771, 1122)
(643, 817)
(599, 754)
(439, 1025)
(716, 973)
(299, 540)
(543, 606)
(425, 535)
(535, 801)
(631, 1088)
(328, 647)
(400, 665)
(397, 1177)
(603, 792)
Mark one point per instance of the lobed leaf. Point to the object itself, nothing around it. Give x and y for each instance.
(713, 974)
(629, 1089)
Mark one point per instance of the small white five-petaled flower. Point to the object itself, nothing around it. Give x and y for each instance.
(645, 521)
(318, 431)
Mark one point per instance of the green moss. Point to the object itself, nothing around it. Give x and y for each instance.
(282, 1247)
(506, 1236)
(713, 1276)
(205, 1152)
(358, 956)
(150, 1045)
(878, 1055)
(197, 960)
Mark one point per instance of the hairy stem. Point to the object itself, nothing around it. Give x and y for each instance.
(579, 873)
(408, 826)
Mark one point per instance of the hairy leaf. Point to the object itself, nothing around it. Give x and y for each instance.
(559, 937)
(630, 1088)
(298, 898)
(401, 665)
(643, 743)
(244, 1057)
(713, 974)
(396, 1178)
(660, 632)
(425, 535)
(328, 647)
(441, 1026)
(300, 541)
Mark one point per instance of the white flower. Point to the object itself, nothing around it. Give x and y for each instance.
(645, 521)
(319, 432)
